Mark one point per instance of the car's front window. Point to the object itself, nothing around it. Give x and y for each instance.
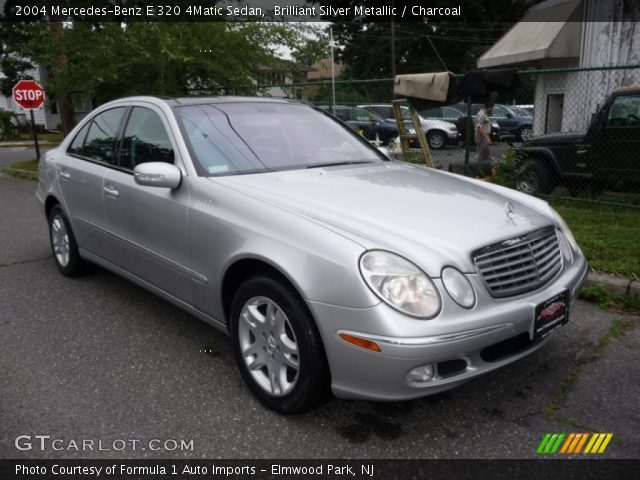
(234, 138)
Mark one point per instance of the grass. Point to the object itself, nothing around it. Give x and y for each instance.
(31, 165)
(607, 235)
(27, 169)
(43, 137)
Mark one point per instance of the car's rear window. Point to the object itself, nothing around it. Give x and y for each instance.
(234, 138)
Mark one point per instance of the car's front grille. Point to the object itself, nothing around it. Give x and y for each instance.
(520, 264)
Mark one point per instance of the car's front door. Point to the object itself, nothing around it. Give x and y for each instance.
(148, 225)
(504, 118)
(80, 174)
(616, 141)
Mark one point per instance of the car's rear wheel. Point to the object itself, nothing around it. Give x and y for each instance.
(524, 133)
(278, 347)
(436, 140)
(63, 244)
(535, 179)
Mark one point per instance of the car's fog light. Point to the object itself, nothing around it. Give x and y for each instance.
(420, 374)
(458, 287)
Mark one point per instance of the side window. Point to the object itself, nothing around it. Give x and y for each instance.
(342, 114)
(499, 111)
(145, 140)
(76, 146)
(450, 113)
(625, 111)
(99, 142)
(361, 115)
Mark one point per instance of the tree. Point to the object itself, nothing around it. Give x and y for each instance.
(423, 46)
(114, 59)
(312, 44)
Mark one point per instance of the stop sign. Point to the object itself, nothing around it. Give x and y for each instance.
(28, 94)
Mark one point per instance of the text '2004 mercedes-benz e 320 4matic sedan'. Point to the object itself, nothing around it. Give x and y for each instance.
(332, 268)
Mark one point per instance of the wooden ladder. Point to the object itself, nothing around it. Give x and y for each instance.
(404, 124)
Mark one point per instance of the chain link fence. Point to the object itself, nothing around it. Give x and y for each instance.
(562, 133)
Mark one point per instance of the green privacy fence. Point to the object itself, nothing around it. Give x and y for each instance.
(592, 147)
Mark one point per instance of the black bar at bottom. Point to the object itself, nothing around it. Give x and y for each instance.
(565, 469)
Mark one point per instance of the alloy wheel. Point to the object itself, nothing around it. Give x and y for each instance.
(60, 240)
(268, 345)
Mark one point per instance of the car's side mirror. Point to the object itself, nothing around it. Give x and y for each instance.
(157, 174)
(508, 115)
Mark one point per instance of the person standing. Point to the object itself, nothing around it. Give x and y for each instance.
(483, 132)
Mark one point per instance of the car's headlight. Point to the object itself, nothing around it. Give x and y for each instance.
(400, 284)
(565, 230)
(458, 287)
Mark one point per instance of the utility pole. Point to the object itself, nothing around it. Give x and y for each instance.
(333, 74)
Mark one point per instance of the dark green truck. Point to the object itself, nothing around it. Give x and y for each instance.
(606, 155)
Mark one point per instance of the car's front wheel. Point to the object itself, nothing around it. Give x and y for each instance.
(63, 244)
(535, 179)
(436, 140)
(524, 133)
(278, 347)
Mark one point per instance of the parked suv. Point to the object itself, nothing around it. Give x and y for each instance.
(439, 133)
(606, 154)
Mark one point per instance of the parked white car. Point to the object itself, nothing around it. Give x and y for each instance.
(438, 132)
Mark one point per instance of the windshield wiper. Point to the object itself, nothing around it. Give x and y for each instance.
(335, 164)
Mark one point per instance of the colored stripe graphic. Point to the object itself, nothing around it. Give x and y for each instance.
(593, 439)
(550, 443)
(543, 443)
(581, 443)
(599, 443)
(568, 442)
(605, 442)
(572, 443)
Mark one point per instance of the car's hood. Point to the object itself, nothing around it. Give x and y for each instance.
(431, 217)
(556, 139)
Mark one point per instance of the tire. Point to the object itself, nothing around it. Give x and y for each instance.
(536, 179)
(290, 339)
(436, 140)
(64, 245)
(525, 133)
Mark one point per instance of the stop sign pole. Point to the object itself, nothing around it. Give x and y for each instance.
(30, 96)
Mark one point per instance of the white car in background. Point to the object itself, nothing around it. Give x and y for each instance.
(438, 132)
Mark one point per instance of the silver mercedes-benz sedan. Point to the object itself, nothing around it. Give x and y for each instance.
(333, 268)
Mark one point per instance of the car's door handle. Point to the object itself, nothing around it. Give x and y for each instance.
(111, 191)
(64, 174)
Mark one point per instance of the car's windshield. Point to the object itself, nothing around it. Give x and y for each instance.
(234, 138)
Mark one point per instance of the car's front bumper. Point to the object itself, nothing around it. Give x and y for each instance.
(453, 136)
(460, 344)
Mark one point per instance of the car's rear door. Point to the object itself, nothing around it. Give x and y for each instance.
(148, 225)
(80, 171)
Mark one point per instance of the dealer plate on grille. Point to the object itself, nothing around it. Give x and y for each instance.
(550, 315)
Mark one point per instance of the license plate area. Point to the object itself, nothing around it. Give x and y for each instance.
(550, 314)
